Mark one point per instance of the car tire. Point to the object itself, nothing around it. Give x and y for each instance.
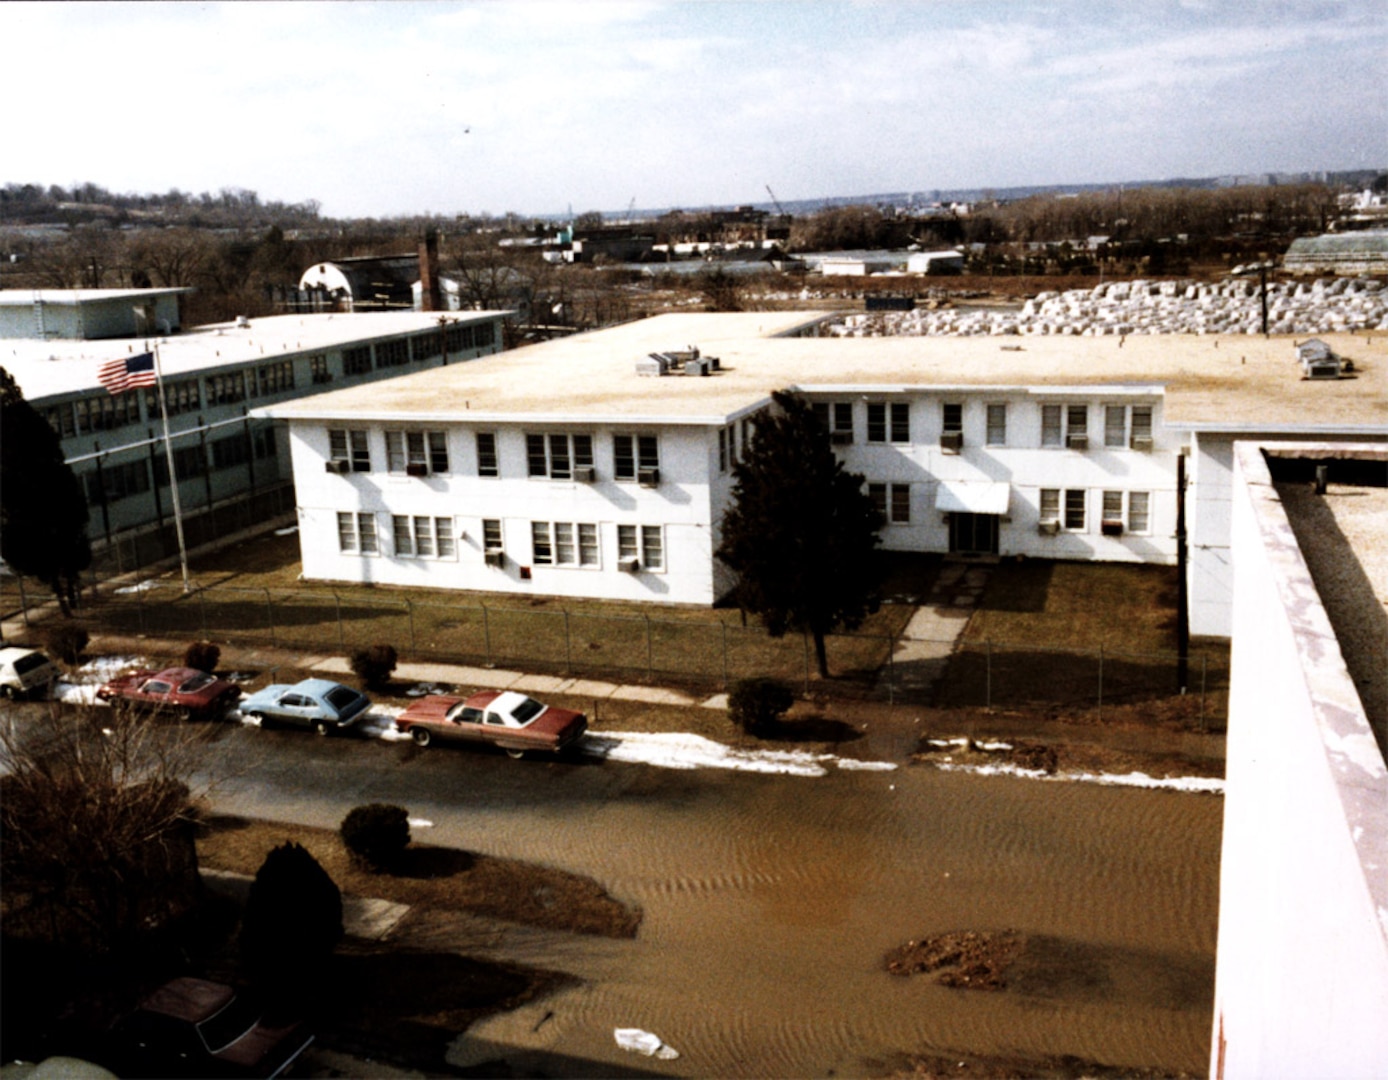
(420, 736)
(320, 727)
(7, 692)
(515, 755)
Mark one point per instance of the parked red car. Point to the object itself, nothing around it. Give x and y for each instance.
(512, 721)
(185, 692)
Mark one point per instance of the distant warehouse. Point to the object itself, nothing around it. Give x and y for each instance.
(1339, 253)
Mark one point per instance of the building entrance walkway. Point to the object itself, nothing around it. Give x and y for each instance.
(928, 641)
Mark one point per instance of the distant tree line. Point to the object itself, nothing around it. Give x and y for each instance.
(232, 207)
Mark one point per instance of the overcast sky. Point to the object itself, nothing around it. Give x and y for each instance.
(396, 108)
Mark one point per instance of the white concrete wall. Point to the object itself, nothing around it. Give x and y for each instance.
(680, 504)
(1302, 970)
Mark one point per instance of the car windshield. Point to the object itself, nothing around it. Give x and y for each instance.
(527, 710)
(461, 713)
(196, 683)
(29, 662)
(341, 697)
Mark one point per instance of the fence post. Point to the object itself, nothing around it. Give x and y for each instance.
(1101, 683)
(486, 636)
(805, 637)
(341, 635)
(988, 674)
(568, 647)
(23, 600)
(202, 608)
(409, 611)
(891, 670)
(1204, 657)
(269, 614)
(724, 625)
(650, 650)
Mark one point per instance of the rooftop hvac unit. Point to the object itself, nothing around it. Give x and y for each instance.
(1142, 442)
(952, 442)
(341, 467)
(1048, 528)
(585, 474)
(1077, 442)
(494, 557)
(416, 468)
(696, 367)
(648, 477)
(841, 438)
(629, 565)
(653, 364)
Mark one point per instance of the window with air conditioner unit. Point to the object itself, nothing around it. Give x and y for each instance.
(1065, 426)
(641, 547)
(1126, 512)
(637, 457)
(493, 552)
(488, 463)
(416, 453)
(1062, 510)
(348, 451)
(951, 426)
(1111, 524)
(1128, 426)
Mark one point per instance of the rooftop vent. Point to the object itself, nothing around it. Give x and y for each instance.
(677, 362)
(1319, 361)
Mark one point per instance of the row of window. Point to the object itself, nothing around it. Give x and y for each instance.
(1067, 508)
(552, 543)
(1061, 424)
(121, 480)
(556, 455)
(103, 412)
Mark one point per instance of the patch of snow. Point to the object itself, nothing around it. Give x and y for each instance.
(80, 687)
(288, 531)
(644, 1042)
(140, 586)
(420, 823)
(1204, 784)
(994, 745)
(853, 765)
(685, 751)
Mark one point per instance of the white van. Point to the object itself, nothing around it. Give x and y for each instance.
(23, 671)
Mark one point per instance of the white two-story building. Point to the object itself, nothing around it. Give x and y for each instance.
(574, 468)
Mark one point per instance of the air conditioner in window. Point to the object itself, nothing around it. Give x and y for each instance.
(416, 469)
(1048, 528)
(1077, 442)
(1111, 528)
(841, 438)
(1142, 442)
(342, 468)
(585, 474)
(648, 477)
(952, 441)
(630, 565)
(494, 557)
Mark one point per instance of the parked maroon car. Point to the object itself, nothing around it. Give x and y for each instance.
(185, 692)
(512, 721)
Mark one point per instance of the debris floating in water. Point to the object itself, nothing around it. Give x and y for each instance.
(644, 1042)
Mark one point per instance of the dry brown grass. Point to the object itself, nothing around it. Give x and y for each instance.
(432, 877)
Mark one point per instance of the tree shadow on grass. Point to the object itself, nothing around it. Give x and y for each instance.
(810, 729)
(431, 862)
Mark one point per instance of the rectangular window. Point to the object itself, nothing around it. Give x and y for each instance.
(1113, 507)
(900, 422)
(645, 543)
(276, 378)
(1074, 509)
(632, 453)
(404, 536)
(59, 418)
(1142, 422)
(188, 462)
(458, 338)
(443, 538)
(425, 346)
(1138, 518)
(226, 389)
(877, 421)
(104, 413)
(557, 455)
(1076, 420)
(821, 413)
(952, 418)
(423, 537)
(231, 451)
(181, 395)
(1051, 433)
(842, 418)
(356, 361)
(350, 447)
(889, 422)
(318, 370)
(392, 353)
(416, 452)
(1050, 504)
(119, 481)
(487, 463)
(491, 534)
(357, 532)
(1115, 425)
(564, 543)
(892, 501)
(997, 425)
(484, 334)
(722, 450)
(267, 445)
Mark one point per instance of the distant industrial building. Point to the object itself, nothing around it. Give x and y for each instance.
(89, 314)
(1364, 252)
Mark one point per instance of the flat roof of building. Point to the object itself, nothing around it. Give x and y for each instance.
(43, 368)
(27, 297)
(1216, 383)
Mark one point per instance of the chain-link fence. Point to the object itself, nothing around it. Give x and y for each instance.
(709, 653)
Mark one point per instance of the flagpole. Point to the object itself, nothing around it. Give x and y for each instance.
(173, 476)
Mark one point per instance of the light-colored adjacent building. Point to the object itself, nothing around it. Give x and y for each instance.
(571, 468)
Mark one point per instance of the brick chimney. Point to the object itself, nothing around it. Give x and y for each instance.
(431, 292)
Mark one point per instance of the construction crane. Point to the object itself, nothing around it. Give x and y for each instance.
(779, 208)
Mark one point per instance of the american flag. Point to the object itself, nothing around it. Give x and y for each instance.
(118, 376)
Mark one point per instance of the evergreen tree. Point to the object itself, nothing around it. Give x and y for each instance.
(43, 512)
(802, 532)
(293, 919)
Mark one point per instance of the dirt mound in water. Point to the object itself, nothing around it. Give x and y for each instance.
(970, 959)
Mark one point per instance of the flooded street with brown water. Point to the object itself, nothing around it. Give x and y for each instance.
(769, 903)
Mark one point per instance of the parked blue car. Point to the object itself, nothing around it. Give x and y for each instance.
(317, 703)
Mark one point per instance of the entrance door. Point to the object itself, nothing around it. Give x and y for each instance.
(973, 534)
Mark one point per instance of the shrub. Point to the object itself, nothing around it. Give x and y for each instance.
(376, 835)
(756, 704)
(66, 640)
(293, 918)
(374, 664)
(202, 655)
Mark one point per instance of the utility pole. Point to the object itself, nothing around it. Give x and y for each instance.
(1182, 600)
